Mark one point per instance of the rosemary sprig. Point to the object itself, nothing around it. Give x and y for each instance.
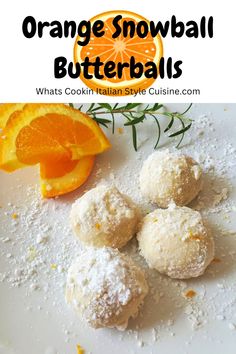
(135, 114)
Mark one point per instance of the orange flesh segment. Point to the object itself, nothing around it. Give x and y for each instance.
(48, 138)
(56, 169)
(32, 147)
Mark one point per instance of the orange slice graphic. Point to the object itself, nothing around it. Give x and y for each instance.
(119, 50)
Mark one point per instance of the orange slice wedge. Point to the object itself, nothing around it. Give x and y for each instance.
(117, 50)
(59, 176)
(49, 133)
(6, 110)
(57, 179)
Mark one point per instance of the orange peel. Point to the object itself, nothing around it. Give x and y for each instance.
(6, 110)
(76, 173)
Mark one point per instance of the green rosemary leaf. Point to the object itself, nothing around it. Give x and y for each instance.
(103, 124)
(113, 123)
(187, 109)
(91, 107)
(157, 106)
(123, 107)
(127, 116)
(158, 131)
(96, 109)
(180, 131)
(135, 121)
(134, 135)
(102, 120)
(132, 105)
(129, 113)
(134, 131)
(71, 105)
(168, 114)
(169, 125)
(106, 106)
(80, 107)
(182, 135)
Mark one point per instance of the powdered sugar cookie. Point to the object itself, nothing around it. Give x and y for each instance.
(176, 242)
(104, 217)
(169, 177)
(105, 287)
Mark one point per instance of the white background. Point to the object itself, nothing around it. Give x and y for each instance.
(27, 329)
(208, 64)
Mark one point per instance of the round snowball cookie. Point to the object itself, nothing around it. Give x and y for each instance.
(105, 287)
(104, 217)
(169, 177)
(176, 242)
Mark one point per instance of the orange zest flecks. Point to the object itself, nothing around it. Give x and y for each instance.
(189, 294)
(194, 237)
(120, 130)
(80, 350)
(32, 253)
(53, 266)
(98, 226)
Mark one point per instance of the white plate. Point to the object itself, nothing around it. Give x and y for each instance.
(34, 316)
